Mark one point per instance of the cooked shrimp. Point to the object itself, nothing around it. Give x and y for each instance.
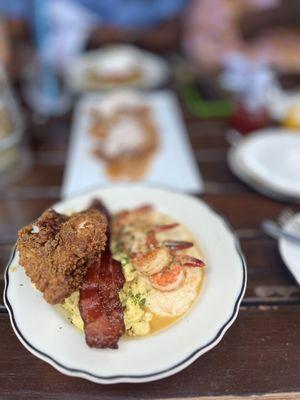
(139, 216)
(189, 261)
(171, 277)
(161, 260)
(153, 261)
(168, 279)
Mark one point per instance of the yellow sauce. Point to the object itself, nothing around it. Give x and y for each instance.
(158, 322)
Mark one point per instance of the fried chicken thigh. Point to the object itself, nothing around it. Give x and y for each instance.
(56, 250)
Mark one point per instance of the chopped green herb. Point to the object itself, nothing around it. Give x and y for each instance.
(138, 298)
(143, 302)
(124, 260)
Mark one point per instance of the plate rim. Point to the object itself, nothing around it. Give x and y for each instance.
(113, 379)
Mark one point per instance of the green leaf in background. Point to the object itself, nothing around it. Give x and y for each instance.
(202, 108)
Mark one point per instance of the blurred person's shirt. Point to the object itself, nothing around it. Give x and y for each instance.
(118, 13)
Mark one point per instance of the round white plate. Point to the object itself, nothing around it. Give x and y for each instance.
(155, 70)
(270, 159)
(235, 165)
(289, 251)
(46, 333)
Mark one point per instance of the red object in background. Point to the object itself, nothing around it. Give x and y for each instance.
(246, 120)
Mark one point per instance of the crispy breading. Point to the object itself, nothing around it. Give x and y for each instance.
(56, 249)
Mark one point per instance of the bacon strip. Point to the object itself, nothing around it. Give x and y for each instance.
(99, 302)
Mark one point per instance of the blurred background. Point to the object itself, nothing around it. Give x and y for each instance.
(234, 60)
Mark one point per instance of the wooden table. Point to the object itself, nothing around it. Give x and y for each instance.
(260, 354)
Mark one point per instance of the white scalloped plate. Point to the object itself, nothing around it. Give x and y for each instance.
(46, 333)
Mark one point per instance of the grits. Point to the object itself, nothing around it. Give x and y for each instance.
(177, 302)
(162, 308)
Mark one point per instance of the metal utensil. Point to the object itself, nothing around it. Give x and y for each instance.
(275, 231)
(287, 215)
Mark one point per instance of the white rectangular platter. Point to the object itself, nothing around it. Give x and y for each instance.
(173, 166)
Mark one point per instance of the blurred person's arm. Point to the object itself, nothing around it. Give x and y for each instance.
(210, 32)
(212, 29)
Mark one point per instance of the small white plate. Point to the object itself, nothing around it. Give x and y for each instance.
(154, 69)
(45, 331)
(269, 159)
(289, 251)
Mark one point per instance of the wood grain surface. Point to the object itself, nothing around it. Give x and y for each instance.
(260, 353)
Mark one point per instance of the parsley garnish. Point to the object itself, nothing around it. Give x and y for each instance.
(143, 302)
(138, 298)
